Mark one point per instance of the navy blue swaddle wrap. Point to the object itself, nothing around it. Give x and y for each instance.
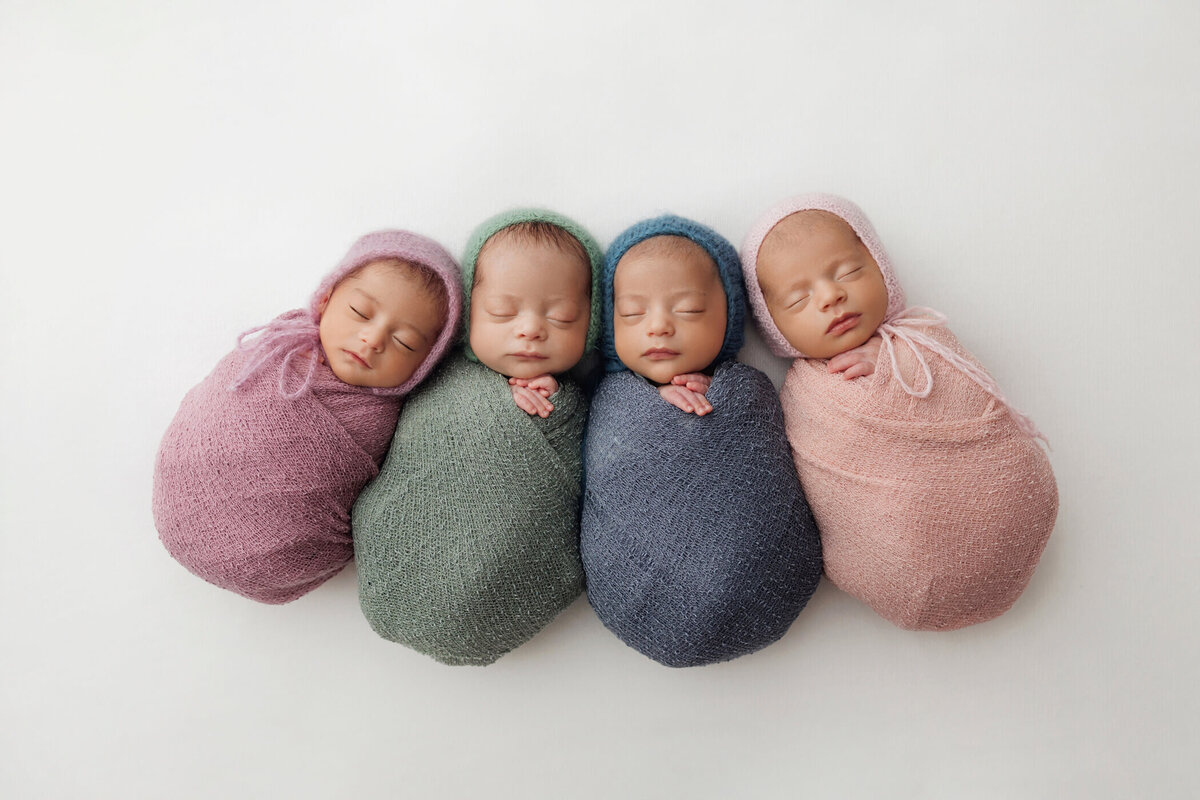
(697, 543)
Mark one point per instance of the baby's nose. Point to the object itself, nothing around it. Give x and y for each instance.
(830, 294)
(531, 326)
(660, 324)
(372, 337)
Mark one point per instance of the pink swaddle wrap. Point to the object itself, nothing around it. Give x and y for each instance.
(933, 498)
(258, 471)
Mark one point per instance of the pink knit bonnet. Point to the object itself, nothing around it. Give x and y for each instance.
(297, 332)
(839, 206)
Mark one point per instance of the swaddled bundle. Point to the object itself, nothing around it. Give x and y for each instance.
(933, 498)
(467, 543)
(257, 472)
(696, 539)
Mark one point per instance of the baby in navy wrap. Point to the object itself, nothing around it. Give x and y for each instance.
(697, 543)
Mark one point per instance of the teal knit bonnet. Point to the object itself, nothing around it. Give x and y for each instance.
(516, 216)
(729, 268)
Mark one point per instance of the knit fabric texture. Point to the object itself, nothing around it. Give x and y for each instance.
(718, 248)
(815, 201)
(467, 543)
(934, 511)
(696, 539)
(257, 472)
(494, 225)
(252, 490)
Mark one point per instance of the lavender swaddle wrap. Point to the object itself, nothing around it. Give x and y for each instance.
(257, 472)
(252, 490)
(933, 497)
(696, 539)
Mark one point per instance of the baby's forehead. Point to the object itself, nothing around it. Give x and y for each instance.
(798, 227)
(379, 272)
(680, 251)
(535, 235)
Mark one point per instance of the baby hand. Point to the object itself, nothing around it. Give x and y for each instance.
(530, 394)
(859, 362)
(686, 392)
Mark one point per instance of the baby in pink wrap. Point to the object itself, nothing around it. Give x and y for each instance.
(932, 496)
(257, 473)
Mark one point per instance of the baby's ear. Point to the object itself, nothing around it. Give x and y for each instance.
(323, 304)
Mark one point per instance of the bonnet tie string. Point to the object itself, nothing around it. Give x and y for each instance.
(908, 326)
(289, 336)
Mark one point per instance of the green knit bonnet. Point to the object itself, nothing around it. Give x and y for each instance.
(516, 216)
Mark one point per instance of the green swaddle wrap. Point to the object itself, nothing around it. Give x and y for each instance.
(467, 543)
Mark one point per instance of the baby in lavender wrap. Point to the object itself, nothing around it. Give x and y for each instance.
(933, 498)
(256, 474)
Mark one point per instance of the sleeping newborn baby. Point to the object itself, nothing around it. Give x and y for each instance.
(467, 544)
(696, 539)
(933, 499)
(257, 472)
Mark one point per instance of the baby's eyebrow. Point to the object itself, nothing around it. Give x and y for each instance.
(686, 293)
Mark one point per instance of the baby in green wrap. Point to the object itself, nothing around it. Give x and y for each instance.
(530, 308)
(467, 543)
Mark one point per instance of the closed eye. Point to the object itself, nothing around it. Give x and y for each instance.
(400, 342)
(798, 302)
(846, 275)
(361, 314)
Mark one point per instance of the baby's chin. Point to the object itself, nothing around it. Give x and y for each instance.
(389, 384)
(518, 368)
(661, 375)
(828, 348)
(368, 380)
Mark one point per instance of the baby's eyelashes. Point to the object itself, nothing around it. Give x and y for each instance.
(799, 301)
(361, 314)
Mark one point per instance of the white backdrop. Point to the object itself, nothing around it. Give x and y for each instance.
(173, 173)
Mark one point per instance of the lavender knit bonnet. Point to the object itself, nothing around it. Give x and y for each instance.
(295, 333)
(719, 250)
(507, 219)
(854, 217)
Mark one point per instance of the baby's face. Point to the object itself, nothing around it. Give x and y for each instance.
(379, 324)
(822, 287)
(669, 312)
(529, 307)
